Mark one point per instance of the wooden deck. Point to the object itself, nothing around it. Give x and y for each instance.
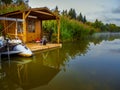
(38, 46)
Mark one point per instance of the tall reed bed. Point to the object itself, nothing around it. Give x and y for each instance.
(70, 29)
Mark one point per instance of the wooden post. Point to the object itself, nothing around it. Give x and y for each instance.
(58, 36)
(24, 28)
(4, 27)
(16, 32)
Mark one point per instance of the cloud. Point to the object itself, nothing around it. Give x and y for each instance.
(115, 19)
(116, 10)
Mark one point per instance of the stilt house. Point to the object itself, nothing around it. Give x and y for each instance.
(28, 23)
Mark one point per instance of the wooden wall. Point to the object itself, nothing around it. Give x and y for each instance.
(32, 36)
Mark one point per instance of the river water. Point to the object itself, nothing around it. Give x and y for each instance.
(92, 64)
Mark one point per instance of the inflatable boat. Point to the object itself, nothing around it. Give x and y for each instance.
(14, 47)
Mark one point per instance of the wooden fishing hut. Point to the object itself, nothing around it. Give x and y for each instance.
(27, 24)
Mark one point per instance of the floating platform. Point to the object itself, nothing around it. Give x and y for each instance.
(38, 46)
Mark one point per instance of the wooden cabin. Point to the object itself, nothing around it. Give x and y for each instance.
(27, 24)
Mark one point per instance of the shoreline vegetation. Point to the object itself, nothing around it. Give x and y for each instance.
(72, 26)
(70, 29)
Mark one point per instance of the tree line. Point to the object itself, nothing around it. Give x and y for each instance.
(104, 27)
(73, 26)
(108, 27)
(72, 14)
(7, 2)
(12, 5)
(76, 27)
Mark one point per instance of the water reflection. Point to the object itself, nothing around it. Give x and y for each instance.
(2, 73)
(97, 38)
(26, 74)
(47, 67)
(39, 70)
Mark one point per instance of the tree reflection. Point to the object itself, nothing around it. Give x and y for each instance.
(39, 70)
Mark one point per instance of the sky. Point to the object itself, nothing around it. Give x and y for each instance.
(107, 11)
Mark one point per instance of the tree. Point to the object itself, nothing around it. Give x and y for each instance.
(72, 13)
(56, 11)
(6, 1)
(98, 24)
(18, 2)
(80, 17)
(0, 2)
(12, 5)
(64, 12)
(112, 27)
(84, 19)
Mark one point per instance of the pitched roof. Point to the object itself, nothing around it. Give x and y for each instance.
(41, 13)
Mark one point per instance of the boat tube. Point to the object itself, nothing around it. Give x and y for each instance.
(25, 51)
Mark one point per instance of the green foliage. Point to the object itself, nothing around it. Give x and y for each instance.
(48, 26)
(12, 5)
(74, 29)
(11, 8)
(105, 27)
(70, 29)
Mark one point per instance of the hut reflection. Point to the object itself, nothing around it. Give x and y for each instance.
(28, 73)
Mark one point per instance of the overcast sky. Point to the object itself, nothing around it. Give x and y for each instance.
(108, 11)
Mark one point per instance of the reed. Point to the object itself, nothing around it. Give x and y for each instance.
(70, 29)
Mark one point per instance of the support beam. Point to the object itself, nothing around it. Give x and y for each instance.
(13, 13)
(24, 28)
(45, 13)
(27, 14)
(16, 33)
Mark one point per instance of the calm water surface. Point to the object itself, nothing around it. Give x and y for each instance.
(92, 64)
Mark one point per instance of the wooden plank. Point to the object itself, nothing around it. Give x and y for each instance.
(37, 46)
(13, 13)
